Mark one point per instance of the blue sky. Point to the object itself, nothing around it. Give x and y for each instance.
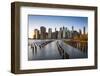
(35, 21)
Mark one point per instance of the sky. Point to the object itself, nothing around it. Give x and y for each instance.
(36, 21)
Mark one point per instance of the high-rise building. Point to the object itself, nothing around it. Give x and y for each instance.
(66, 29)
(64, 32)
(65, 35)
(49, 33)
(76, 34)
(72, 28)
(42, 32)
(53, 35)
(61, 29)
(72, 31)
(46, 35)
(55, 29)
(80, 32)
(59, 34)
(36, 34)
(84, 30)
(56, 33)
(68, 34)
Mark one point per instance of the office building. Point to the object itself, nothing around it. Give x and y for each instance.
(36, 34)
(49, 33)
(42, 32)
(84, 30)
(64, 32)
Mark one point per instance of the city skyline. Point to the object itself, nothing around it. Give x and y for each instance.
(36, 21)
(62, 33)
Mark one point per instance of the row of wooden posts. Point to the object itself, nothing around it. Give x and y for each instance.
(62, 52)
(34, 46)
(81, 45)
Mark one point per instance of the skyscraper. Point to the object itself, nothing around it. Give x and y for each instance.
(72, 31)
(80, 32)
(42, 32)
(72, 28)
(84, 30)
(61, 28)
(56, 33)
(49, 33)
(55, 29)
(60, 33)
(69, 34)
(64, 32)
(36, 34)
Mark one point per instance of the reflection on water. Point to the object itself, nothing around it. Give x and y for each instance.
(52, 49)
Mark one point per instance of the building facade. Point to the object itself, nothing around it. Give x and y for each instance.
(42, 32)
